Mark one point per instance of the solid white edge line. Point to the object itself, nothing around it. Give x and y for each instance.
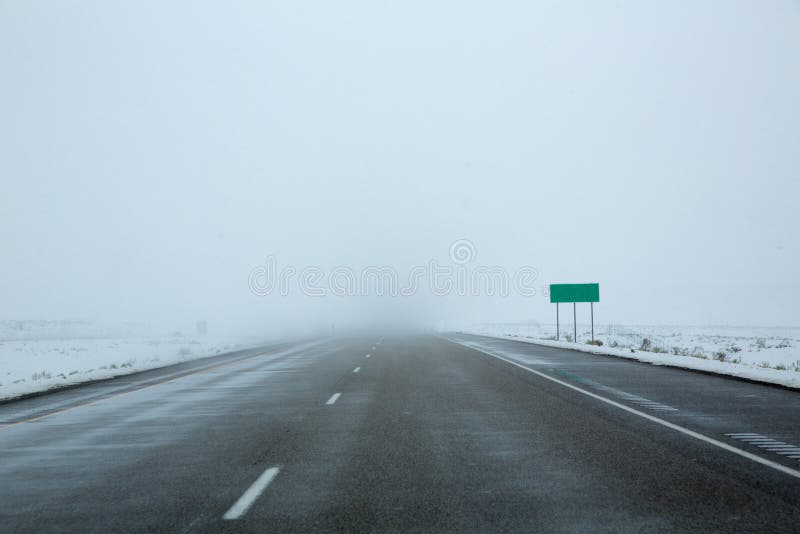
(691, 433)
(333, 398)
(247, 499)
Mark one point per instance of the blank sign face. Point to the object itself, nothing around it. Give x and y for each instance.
(574, 292)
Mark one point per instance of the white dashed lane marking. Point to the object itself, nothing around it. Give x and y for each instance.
(333, 398)
(247, 499)
(357, 369)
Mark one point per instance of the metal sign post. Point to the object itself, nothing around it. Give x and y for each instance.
(556, 321)
(574, 324)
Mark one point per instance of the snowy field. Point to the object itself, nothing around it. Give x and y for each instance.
(40, 355)
(758, 353)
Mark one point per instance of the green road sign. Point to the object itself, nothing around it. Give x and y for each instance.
(574, 292)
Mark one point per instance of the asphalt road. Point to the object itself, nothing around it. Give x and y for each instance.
(454, 433)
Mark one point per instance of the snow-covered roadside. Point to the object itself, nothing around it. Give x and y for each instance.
(743, 364)
(28, 366)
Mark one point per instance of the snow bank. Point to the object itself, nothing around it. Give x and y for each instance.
(28, 366)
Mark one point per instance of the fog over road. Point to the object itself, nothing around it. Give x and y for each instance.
(412, 432)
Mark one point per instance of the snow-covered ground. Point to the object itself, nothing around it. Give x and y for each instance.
(757, 353)
(40, 355)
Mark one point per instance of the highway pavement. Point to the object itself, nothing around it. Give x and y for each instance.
(391, 433)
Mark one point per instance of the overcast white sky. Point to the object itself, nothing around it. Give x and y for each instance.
(153, 153)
